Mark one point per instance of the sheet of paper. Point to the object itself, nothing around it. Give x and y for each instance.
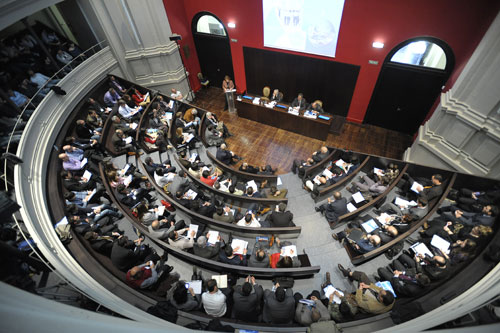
(196, 285)
(221, 280)
(124, 170)
(83, 162)
(327, 173)
(328, 290)
(253, 185)
(369, 226)
(378, 171)
(214, 235)
(161, 210)
(188, 137)
(133, 125)
(316, 180)
(239, 243)
(386, 285)
(351, 207)
(279, 182)
(421, 248)
(414, 187)
(127, 180)
(128, 140)
(340, 163)
(358, 197)
(440, 243)
(191, 195)
(384, 218)
(401, 202)
(193, 157)
(192, 227)
(63, 221)
(94, 191)
(171, 104)
(87, 175)
(290, 251)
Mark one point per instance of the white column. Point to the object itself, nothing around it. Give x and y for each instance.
(138, 33)
(463, 133)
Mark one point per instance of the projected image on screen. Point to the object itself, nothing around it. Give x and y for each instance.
(310, 26)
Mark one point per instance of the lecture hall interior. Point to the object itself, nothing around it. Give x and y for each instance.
(250, 166)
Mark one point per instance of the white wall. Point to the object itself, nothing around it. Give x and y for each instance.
(463, 133)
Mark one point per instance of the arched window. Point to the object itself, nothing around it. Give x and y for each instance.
(421, 53)
(208, 24)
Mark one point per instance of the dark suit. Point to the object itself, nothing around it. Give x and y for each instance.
(124, 258)
(224, 156)
(278, 312)
(335, 209)
(247, 308)
(302, 104)
(209, 251)
(432, 192)
(281, 219)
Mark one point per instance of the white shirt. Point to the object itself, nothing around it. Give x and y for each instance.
(126, 111)
(214, 304)
(253, 224)
(176, 96)
(39, 79)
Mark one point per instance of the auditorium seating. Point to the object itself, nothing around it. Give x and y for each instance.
(103, 270)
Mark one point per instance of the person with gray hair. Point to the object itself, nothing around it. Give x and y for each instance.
(206, 250)
(226, 156)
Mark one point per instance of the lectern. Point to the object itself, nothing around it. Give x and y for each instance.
(230, 100)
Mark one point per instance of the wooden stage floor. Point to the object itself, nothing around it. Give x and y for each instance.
(261, 144)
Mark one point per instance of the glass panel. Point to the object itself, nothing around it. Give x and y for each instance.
(210, 25)
(421, 53)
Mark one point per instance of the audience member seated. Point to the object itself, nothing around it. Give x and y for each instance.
(210, 119)
(229, 255)
(358, 239)
(178, 240)
(369, 297)
(176, 94)
(247, 299)
(334, 208)
(126, 254)
(204, 249)
(301, 166)
(140, 99)
(277, 96)
(370, 186)
(226, 156)
(279, 258)
(213, 137)
(281, 218)
(279, 306)
(183, 298)
(249, 220)
(311, 309)
(471, 201)
(346, 309)
(213, 300)
(148, 274)
(405, 284)
(111, 97)
(429, 189)
(113, 82)
(127, 112)
(486, 217)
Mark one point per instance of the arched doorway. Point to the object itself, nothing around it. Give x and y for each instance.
(212, 45)
(409, 82)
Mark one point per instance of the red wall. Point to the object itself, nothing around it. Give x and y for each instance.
(460, 23)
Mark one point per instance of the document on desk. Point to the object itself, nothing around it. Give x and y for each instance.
(161, 210)
(221, 280)
(256, 100)
(188, 137)
(358, 197)
(196, 285)
(340, 163)
(128, 140)
(133, 125)
(253, 185)
(289, 251)
(127, 180)
(369, 226)
(193, 157)
(421, 248)
(190, 194)
(440, 244)
(378, 171)
(240, 244)
(351, 208)
(213, 237)
(415, 187)
(83, 162)
(192, 227)
(86, 176)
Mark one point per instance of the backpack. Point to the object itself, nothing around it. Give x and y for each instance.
(164, 310)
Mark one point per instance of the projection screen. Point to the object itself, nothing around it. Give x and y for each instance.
(309, 26)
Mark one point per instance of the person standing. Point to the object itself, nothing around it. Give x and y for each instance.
(227, 85)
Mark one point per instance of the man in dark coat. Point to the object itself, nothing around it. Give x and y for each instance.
(279, 306)
(247, 303)
(334, 209)
(281, 218)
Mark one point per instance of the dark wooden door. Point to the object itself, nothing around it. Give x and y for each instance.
(403, 96)
(214, 54)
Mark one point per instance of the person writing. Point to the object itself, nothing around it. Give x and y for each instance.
(299, 102)
(227, 85)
